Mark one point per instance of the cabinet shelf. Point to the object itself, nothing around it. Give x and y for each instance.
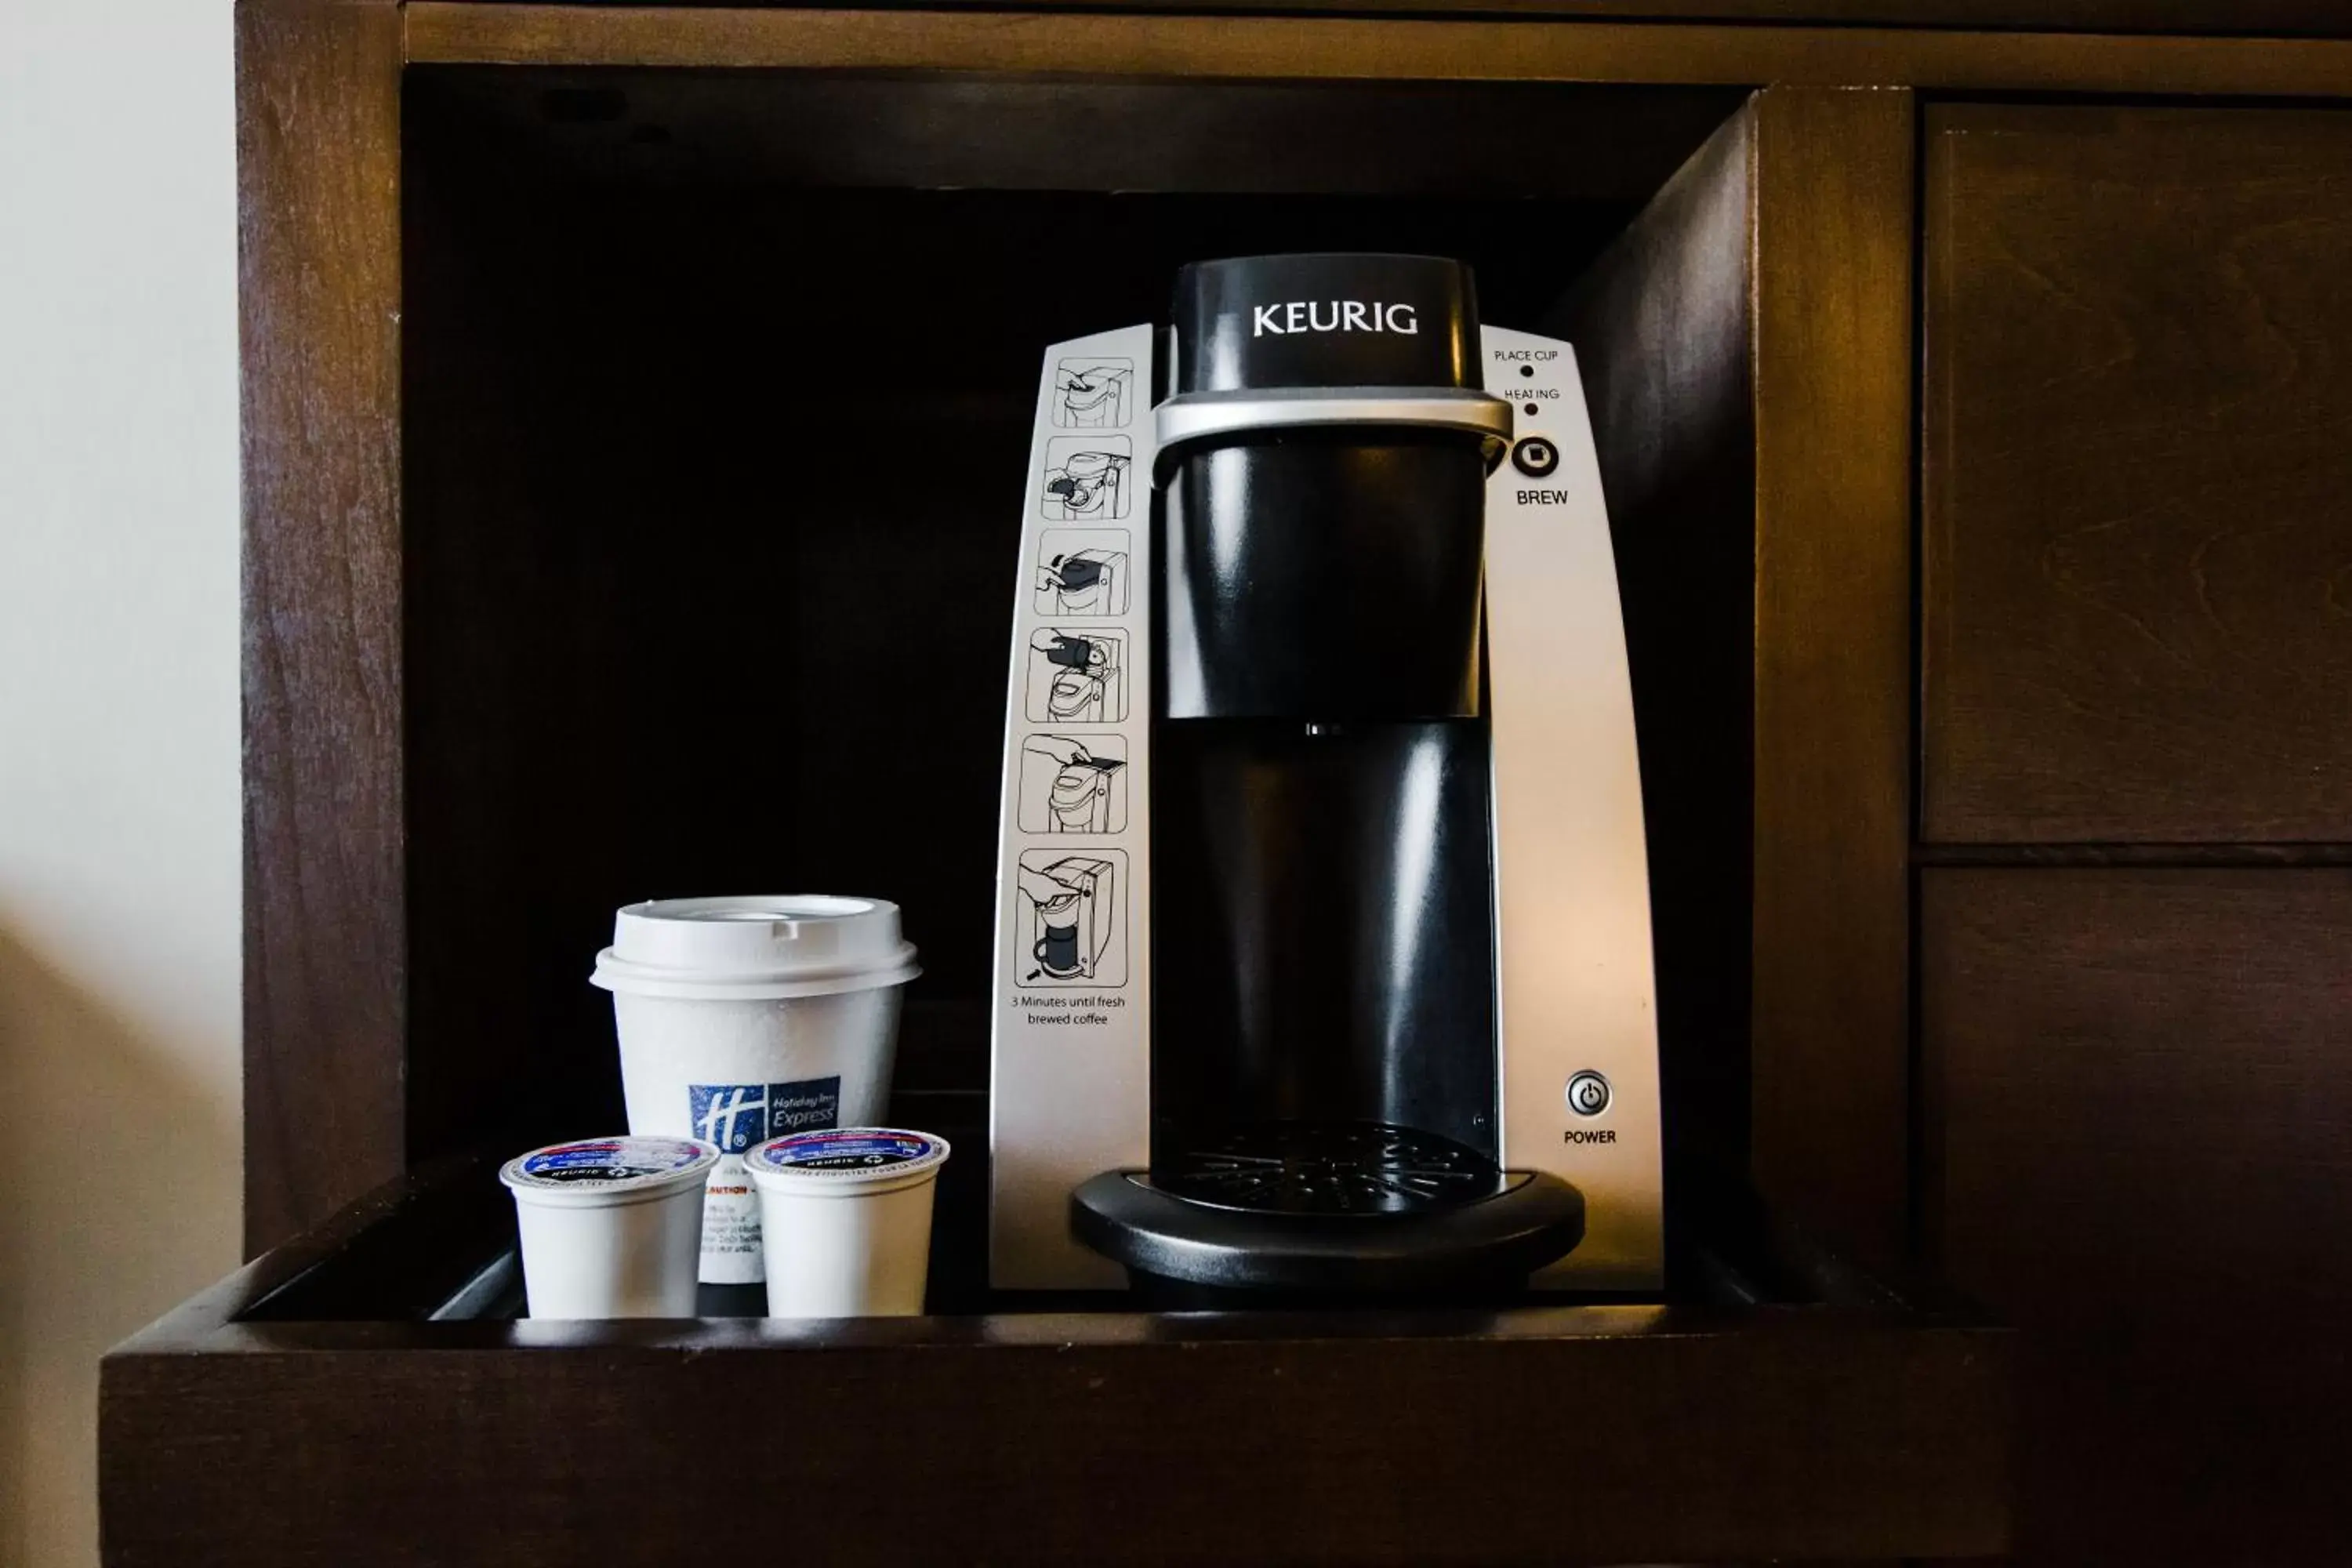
(364, 1395)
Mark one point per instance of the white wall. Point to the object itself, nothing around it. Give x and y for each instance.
(119, 859)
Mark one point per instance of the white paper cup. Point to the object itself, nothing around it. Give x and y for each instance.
(845, 1220)
(610, 1226)
(743, 1019)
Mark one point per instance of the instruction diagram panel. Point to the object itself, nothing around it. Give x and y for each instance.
(1070, 1019)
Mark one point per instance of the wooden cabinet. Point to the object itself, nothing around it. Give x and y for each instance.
(1978, 470)
(2136, 794)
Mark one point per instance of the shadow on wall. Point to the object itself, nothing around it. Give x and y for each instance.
(121, 1173)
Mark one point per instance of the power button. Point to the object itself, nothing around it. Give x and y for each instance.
(1588, 1094)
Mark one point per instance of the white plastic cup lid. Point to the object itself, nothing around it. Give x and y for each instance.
(756, 948)
(846, 1156)
(610, 1170)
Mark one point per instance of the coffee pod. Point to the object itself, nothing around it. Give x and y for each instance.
(743, 1019)
(845, 1220)
(610, 1226)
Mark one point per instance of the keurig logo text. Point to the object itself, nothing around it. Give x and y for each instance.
(1333, 316)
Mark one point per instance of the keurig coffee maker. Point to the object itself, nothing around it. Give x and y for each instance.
(1348, 988)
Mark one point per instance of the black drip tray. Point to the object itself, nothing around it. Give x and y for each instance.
(1358, 1208)
(1330, 1168)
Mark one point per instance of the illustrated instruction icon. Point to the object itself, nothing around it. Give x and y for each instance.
(1087, 478)
(1083, 572)
(1076, 675)
(1073, 784)
(1069, 925)
(1093, 394)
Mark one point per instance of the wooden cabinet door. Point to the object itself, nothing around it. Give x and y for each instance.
(2136, 1087)
(2137, 492)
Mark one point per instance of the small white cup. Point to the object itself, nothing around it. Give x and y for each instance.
(611, 1225)
(845, 1220)
(743, 1019)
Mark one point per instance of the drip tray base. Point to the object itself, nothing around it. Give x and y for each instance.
(1521, 1221)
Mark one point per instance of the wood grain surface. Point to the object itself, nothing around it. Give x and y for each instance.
(2138, 1105)
(2318, 18)
(2138, 568)
(1060, 1444)
(319, 286)
(1348, 48)
(1834, 211)
(1745, 350)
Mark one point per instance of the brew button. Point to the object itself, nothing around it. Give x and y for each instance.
(1535, 456)
(1588, 1094)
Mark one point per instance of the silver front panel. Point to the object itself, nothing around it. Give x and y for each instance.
(1576, 984)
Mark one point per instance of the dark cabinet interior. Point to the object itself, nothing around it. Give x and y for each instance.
(714, 419)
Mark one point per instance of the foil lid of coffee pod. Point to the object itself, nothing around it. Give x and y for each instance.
(756, 947)
(847, 1155)
(636, 1167)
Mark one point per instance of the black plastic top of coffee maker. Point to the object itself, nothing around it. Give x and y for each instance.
(1333, 320)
